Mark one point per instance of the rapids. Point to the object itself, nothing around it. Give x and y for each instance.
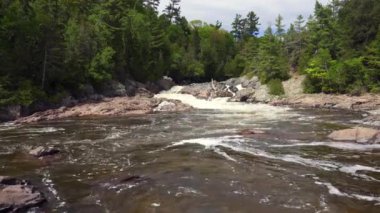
(197, 162)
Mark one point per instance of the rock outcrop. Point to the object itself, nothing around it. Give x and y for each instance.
(9, 113)
(357, 134)
(18, 195)
(365, 102)
(113, 89)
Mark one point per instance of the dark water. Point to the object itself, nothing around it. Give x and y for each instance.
(195, 162)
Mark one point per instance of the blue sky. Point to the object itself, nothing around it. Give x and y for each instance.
(225, 10)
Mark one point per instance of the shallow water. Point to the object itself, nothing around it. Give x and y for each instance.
(196, 162)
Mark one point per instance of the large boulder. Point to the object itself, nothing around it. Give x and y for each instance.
(142, 92)
(357, 134)
(153, 87)
(132, 86)
(202, 91)
(251, 83)
(113, 89)
(165, 83)
(262, 94)
(10, 113)
(18, 195)
(244, 95)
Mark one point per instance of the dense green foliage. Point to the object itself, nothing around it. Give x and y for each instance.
(275, 87)
(338, 48)
(53, 47)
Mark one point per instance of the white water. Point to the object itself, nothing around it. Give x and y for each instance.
(236, 144)
(223, 104)
(336, 145)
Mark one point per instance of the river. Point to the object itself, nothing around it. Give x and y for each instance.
(197, 162)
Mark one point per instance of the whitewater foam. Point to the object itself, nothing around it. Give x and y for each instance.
(235, 143)
(335, 191)
(336, 145)
(223, 104)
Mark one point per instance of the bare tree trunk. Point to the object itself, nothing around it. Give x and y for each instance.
(44, 70)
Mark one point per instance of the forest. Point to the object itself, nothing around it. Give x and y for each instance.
(51, 48)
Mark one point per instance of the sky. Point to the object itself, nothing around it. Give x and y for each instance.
(225, 10)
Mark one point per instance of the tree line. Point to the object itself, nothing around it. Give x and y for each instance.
(51, 48)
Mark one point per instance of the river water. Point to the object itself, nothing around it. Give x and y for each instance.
(196, 161)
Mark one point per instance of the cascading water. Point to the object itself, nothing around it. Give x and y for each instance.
(222, 104)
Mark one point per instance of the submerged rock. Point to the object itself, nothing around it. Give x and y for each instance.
(250, 132)
(357, 134)
(18, 195)
(41, 152)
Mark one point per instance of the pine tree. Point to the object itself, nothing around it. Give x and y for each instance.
(279, 26)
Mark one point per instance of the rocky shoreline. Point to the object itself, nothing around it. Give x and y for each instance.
(135, 98)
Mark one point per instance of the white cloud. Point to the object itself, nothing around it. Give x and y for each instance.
(225, 10)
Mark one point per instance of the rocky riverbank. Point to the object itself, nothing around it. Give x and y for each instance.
(134, 98)
(119, 106)
(252, 91)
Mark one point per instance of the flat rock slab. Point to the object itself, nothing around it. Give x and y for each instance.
(357, 134)
(18, 195)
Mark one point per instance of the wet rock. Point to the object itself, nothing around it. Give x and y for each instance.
(202, 91)
(113, 89)
(41, 152)
(244, 95)
(10, 113)
(372, 120)
(152, 87)
(357, 134)
(251, 132)
(165, 83)
(172, 106)
(132, 87)
(18, 195)
(142, 92)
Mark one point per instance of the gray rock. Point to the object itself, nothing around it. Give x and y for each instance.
(202, 91)
(85, 91)
(132, 86)
(18, 195)
(165, 83)
(69, 101)
(262, 94)
(244, 95)
(142, 92)
(113, 89)
(41, 152)
(152, 87)
(10, 113)
(253, 83)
